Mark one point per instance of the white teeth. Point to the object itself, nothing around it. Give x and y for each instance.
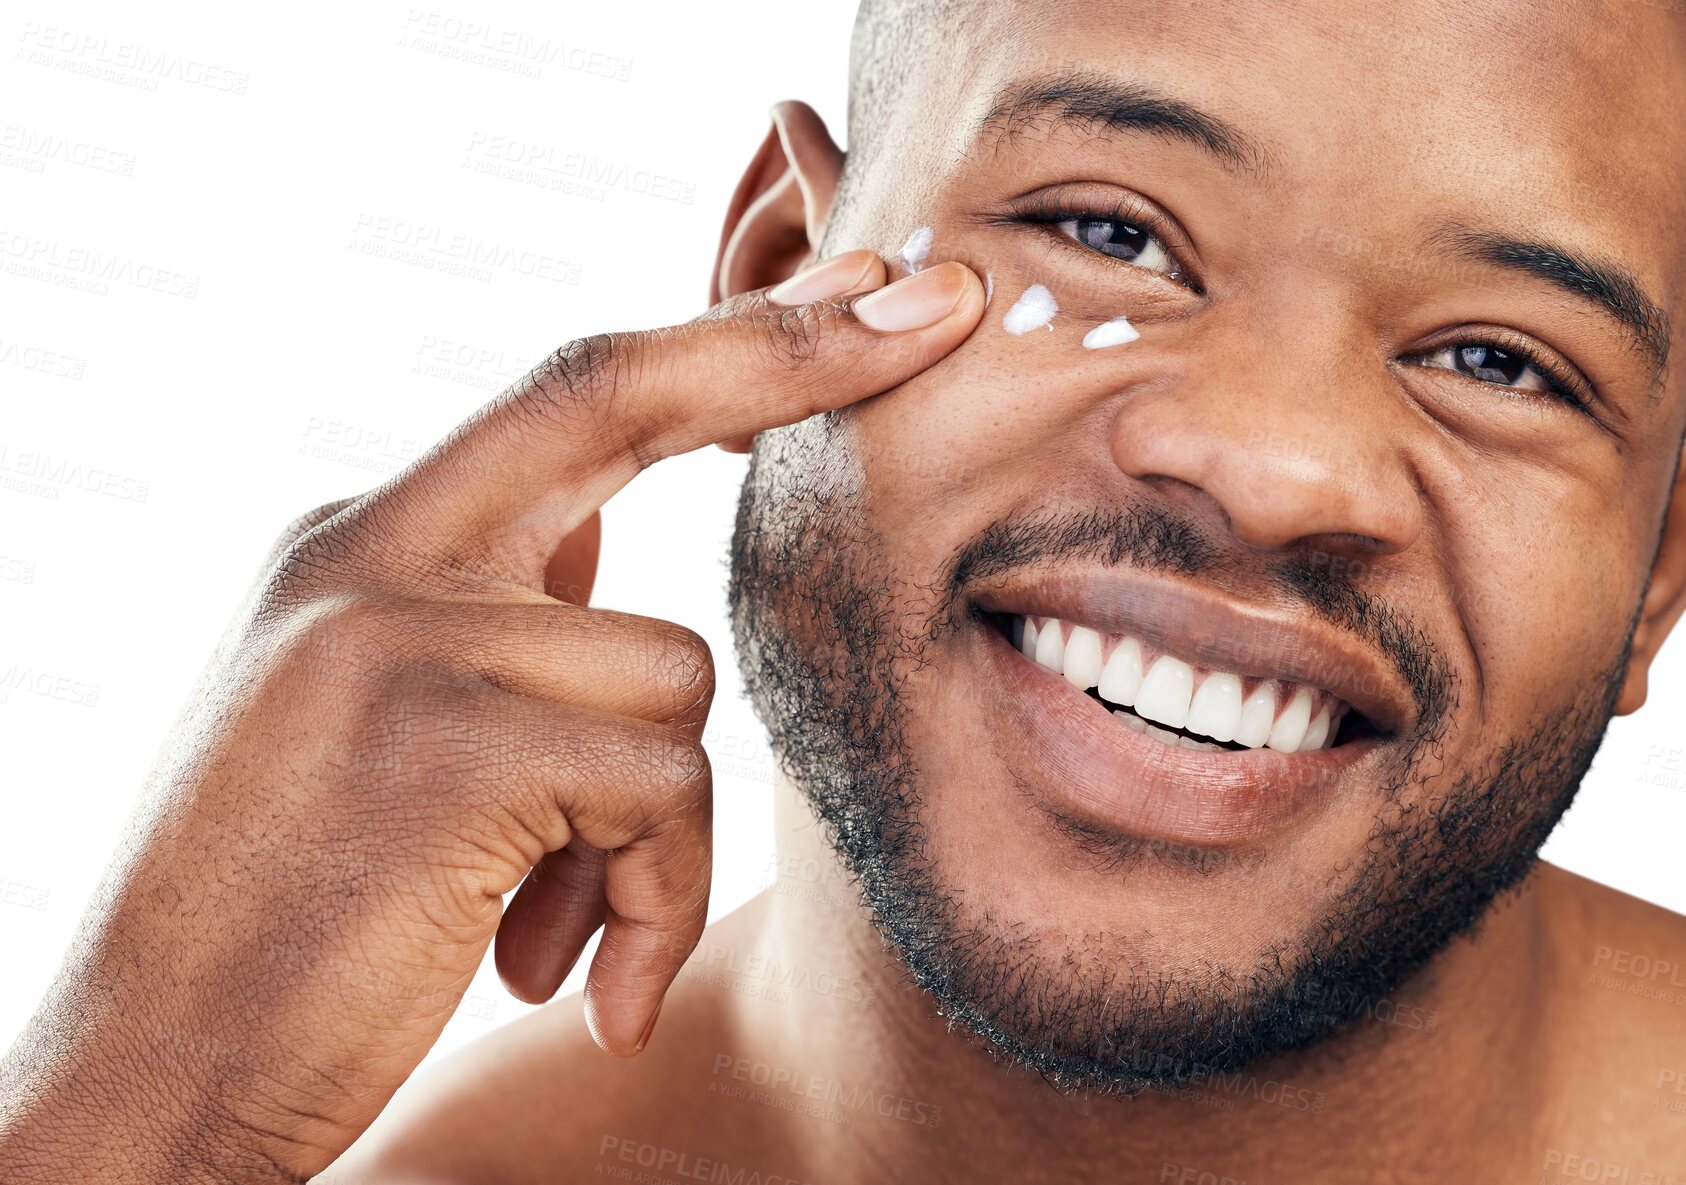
(1216, 710)
(1083, 658)
(1121, 678)
(1050, 646)
(1318, 732)
(1165, 691)
(1257, 715)
(1162, 690)
(1290, 727)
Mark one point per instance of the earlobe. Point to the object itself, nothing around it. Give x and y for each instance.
(1664, 600)
(778, 212)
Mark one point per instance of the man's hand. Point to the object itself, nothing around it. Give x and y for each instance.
(418, 713)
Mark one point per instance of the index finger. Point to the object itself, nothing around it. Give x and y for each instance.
(539, 459)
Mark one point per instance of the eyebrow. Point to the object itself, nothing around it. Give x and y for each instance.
(1613, 289)
(1086, 100)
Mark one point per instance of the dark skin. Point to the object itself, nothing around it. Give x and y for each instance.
(1521, 533)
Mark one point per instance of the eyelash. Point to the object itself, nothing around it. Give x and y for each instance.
(1561, 384)
(1049, 212)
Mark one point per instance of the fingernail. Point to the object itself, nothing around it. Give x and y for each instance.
(921, 299)
(831, 277)
(649, 1026)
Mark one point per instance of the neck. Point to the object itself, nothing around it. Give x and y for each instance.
(1422, 1060)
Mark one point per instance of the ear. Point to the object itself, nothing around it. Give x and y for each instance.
(778, 213)
(1664, 600)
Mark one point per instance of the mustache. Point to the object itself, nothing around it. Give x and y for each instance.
(1152, 538)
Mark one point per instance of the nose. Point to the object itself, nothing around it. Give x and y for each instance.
(1290, 447)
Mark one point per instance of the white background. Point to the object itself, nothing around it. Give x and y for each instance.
(153, 442)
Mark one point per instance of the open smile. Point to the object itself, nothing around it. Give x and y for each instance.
(1167, 711)
(1179, 703)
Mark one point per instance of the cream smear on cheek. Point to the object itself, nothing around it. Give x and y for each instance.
(1115, 332)
(917, 249)
(1033, 310)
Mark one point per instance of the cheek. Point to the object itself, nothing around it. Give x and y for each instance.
(1010, 413)
(1544, 584)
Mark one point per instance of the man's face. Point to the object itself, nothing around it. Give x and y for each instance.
(1393, 432)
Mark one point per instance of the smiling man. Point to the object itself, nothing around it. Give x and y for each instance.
(1168, 715)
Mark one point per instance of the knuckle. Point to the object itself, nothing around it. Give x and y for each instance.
(681, 766)
(308, 522)
(342, 633)
(578, 383)
(685, 666)
(790, 337)
(309, 546)
(581, 389)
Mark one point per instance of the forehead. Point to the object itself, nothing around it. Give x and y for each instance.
(1561, 74)
(1565, 119)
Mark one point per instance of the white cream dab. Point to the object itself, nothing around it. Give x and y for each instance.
(989, 288)
(1033, 310)
(917, 249)
(1110, 333)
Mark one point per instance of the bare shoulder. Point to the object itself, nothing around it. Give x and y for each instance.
(1619, 967)
(537, 1101)
(1607, 932)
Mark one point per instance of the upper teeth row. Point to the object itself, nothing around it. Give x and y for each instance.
(1159, 687)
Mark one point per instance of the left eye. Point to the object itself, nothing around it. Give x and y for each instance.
(1490, 364)
(1121, 240)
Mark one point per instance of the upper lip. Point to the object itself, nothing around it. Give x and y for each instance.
(1210, 629)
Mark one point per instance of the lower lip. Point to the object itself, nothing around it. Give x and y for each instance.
(1095, 766)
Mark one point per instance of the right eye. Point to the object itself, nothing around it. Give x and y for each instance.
(1123, 241)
